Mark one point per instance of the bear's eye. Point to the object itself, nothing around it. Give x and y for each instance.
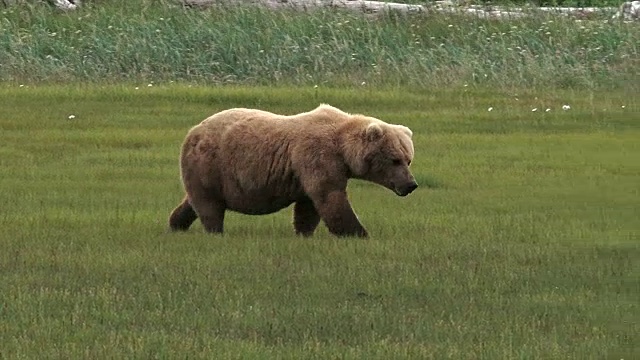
(397, 162)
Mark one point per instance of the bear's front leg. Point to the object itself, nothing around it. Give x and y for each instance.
(336, 212)
(305, 217)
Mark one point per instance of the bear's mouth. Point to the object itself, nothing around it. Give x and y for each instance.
(399, 192)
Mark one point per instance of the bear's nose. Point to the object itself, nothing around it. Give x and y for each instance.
(407, 189)
(411, 187)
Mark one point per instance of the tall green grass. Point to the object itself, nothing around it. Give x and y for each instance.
(160, 42)
(521, 243)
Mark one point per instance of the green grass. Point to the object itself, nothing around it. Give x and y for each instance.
(144, 41)
(521, 243)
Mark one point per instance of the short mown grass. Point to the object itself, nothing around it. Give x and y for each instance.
(521, 243)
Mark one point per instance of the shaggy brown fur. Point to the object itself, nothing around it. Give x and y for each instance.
(256, 162)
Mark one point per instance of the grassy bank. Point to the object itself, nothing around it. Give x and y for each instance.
(138, 41)
(521, 243)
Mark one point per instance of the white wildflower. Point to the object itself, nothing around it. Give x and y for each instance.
(71, 117)
(566, 107)
(490, 109)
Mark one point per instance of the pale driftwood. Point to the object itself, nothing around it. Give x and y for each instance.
(66, 4)
(357, 5)
(627, 11)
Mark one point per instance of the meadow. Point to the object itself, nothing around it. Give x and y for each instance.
(521, 243)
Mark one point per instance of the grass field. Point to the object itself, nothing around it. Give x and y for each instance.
(522, 242)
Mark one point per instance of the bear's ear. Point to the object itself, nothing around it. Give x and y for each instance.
(373, 132)
(405, 130)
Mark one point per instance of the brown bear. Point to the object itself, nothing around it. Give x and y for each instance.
(256, 162)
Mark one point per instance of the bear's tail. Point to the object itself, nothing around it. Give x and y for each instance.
(182, 216)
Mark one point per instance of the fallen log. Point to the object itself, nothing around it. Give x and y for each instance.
(627, 11)
(365, 6)
(66, 4)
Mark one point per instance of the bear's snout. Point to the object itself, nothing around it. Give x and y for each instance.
(407, 188)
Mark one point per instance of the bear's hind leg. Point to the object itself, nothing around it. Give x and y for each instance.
(305, 217)
(211, 214)
(182, 216)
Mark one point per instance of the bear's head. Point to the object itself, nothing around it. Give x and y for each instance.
(384, 156)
